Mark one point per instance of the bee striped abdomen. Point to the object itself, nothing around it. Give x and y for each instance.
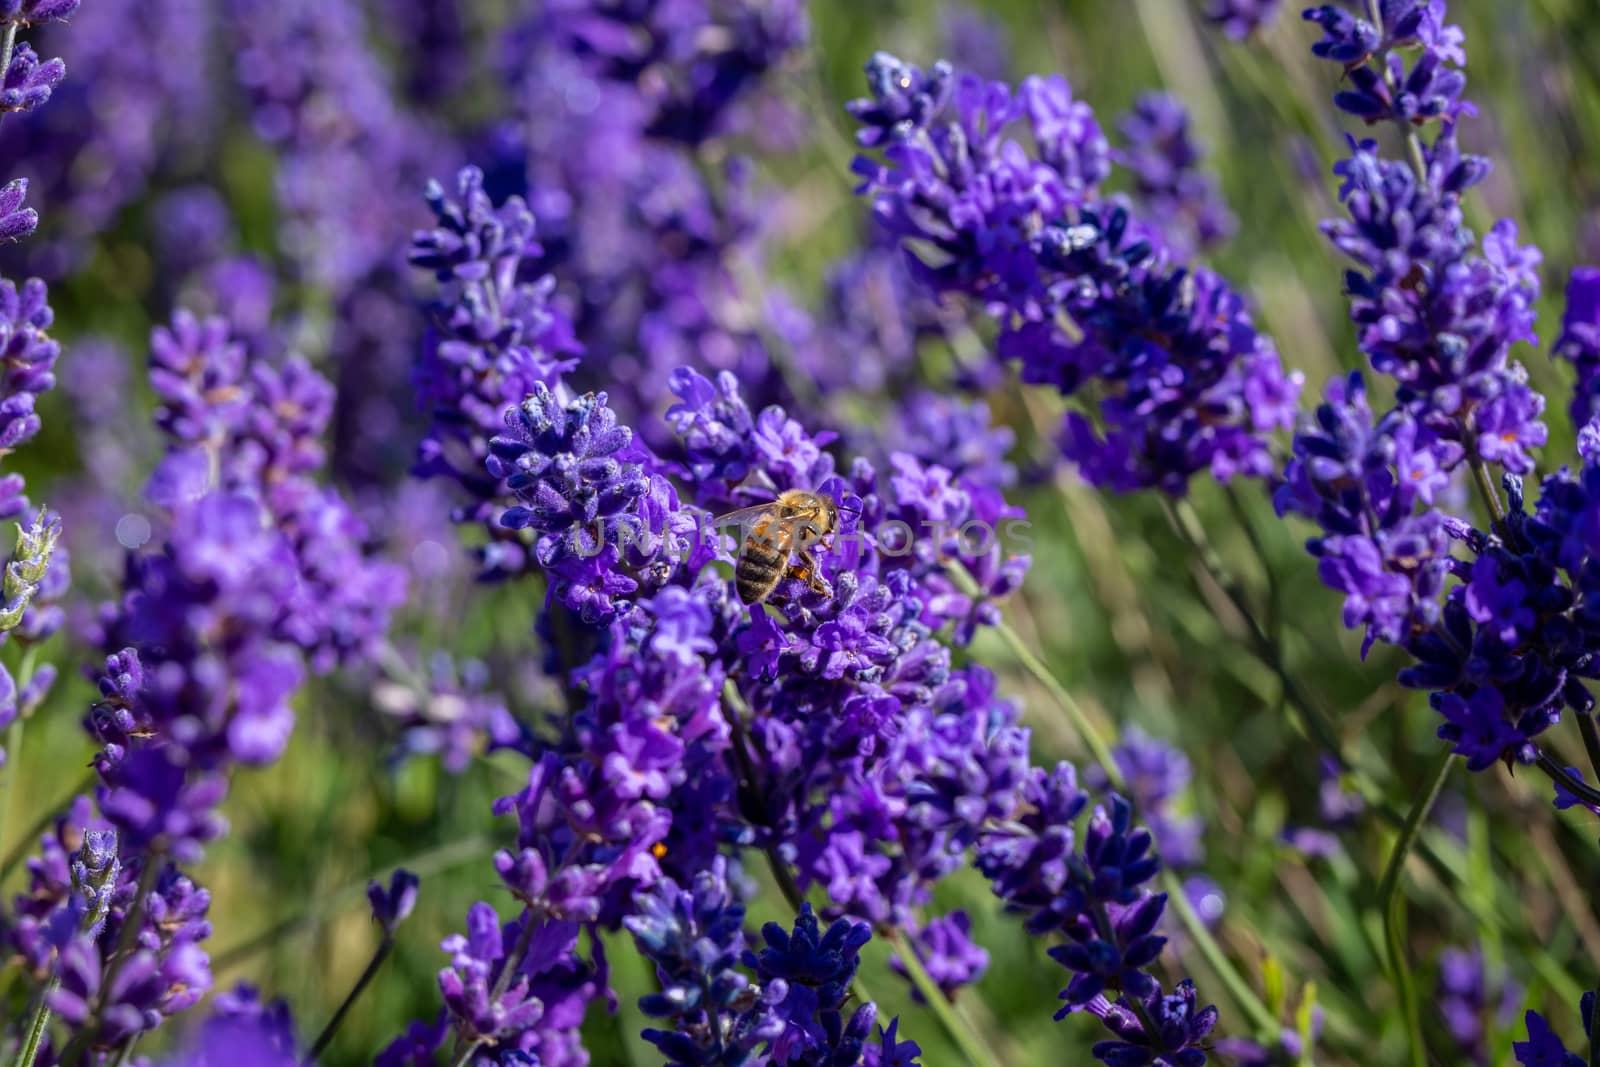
(761, 564)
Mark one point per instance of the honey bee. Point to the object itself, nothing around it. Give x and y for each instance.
(771, 533)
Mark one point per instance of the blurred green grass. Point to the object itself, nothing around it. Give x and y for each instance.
(1112, 603)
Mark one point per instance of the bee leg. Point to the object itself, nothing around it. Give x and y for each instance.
(806, 570)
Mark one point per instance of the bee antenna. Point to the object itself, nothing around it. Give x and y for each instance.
(848, 509)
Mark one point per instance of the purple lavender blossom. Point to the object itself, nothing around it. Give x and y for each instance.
(516, 988)
(28, 82)
(562, 462)
(815, 968)
(33, 12)
(16, 221)
(1095, 893)
(1380, 86)
(1362, 483)
(1192, 386)
(1241, 18)
(222, 571)
(890, 1050)
(695, 938)
(494, 334)
(1447, 343)
(242, 1031)
(391, 905)
(1503, 649)
(1165, 160)
(1543, 1047)
(1464, 999)
(1579, 342)
(239, 423)
(121, 993)
(1179, 1033)
(947, 952)
(29, 355)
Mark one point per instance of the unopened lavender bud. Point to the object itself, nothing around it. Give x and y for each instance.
(391, 906)
(95, 868)
(29, 562)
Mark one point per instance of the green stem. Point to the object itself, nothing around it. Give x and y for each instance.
(1097, 746)
(25, 670)
(1480, 475)
(1591, 741)
(466, 1053)
(422, 864)
(384, 948)
(125, 1053)
(7, 45)
(41, 1020)
(971, 1045)
(1565, 779)
(1419, 163)
(1313, 720)
(1392, 903)
(1316, 723)
(1261, 1017)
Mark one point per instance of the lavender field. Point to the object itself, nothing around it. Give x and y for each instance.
(755, 533)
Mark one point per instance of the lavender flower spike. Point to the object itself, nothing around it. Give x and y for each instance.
(26, 571)
(16, 221)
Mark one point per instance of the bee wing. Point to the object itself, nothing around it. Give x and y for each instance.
(744, 518)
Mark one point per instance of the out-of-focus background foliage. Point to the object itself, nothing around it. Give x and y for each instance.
(1111, 604)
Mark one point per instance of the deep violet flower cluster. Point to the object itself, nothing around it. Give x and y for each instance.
(1544, 1048)
(794, 1010)
(1505, 647)
(1085, 293)
(26, 82)
(1096, 896)
(491, 338)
